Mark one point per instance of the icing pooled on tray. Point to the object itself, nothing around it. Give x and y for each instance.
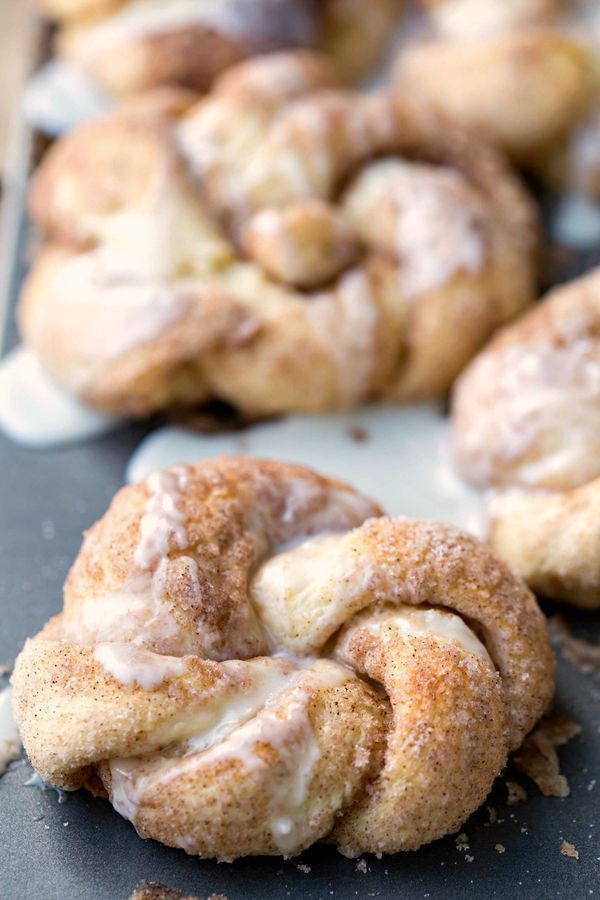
(399, 455)
(37, 413)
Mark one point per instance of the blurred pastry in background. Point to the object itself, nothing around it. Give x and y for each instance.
(505, 68)
(526, 411)
(283, 245)
(552, 540)
(133, 45)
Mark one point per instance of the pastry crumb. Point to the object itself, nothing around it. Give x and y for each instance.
(361, 866)
(582, 654)
(567, 849)
(358, 433)
(500, 848)
(492, 816)
(469, 858)
(462, 841)
(516, 793)
(304, 868)
(538, 758)
(154, 890)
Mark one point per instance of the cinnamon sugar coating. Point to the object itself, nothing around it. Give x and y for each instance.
(251, 658)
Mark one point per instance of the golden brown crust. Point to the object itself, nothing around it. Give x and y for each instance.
(552, 540)
(257, 201)
(532, 85)
(527, 409)
(152, 687)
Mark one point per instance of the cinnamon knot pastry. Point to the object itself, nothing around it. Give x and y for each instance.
(283, 245)
(508, 71)
(527, 409)
(552, 540)
(133, 45)
(250, 658)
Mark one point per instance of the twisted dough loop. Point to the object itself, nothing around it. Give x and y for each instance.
(154, 686)
(144, 297)
(552, 540)
(509, 75)
(526, 411)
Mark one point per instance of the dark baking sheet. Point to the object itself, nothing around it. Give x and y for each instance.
(82, 849)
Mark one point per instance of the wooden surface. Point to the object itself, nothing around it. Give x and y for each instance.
(18, 34)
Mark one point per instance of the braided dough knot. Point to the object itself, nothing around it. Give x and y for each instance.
(251, 658)
(282, 244)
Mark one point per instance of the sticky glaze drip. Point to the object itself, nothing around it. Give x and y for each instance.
(445, 626)
(274, 713)
(162, 524)
(130, 665)
(10, 742)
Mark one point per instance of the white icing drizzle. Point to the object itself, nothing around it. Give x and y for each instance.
(130, 665)
(162, 522)
(439, 220)
(347, 321)
(437, 623)
(36, 781)
(10, 742)
(404, 461)
(36, 413)
(260, 25)
(139, 612)
(273, 712)
(111, 312)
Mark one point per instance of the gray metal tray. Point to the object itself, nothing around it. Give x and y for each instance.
(82, 849)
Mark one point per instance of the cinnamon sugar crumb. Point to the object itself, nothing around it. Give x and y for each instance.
(516, 793)
(500, 848)
(462, 841)
(538, 759)
(567, 849)
(154, 890)
(582, 654)
(358, 434)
